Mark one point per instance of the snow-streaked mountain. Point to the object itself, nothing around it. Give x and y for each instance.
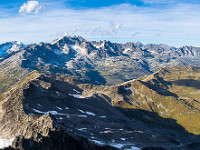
(99, 62)
(9, 47)
(122, 61)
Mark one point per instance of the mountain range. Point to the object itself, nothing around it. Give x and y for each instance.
(98, 62)
(78, 94)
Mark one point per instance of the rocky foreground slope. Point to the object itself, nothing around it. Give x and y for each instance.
(161, 110)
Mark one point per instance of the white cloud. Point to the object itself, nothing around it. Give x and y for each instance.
(30, 7)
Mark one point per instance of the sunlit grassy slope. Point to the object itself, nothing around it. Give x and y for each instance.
(171, 93)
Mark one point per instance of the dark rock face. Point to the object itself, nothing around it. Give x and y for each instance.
(153, 148)
(192, 146)
(58, 140)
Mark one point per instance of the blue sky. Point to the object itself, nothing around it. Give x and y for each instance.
(174, 22)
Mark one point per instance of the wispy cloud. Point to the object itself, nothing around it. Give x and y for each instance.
(105, 31)
(136, 33)
(30, 7)
(114, 27)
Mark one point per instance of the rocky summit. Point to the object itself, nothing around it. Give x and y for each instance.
(77, 94)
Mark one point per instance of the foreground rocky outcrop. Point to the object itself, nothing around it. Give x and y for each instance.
(57, 140)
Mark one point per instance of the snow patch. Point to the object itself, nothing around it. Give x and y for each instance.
(90, 113)
(37, 111)
(98, 142)
(58, 93)
(6, 143)
(55, 41)
(101, 132)
(99, 46)
(58, 107)
(52, 112)
(65, 46)
(114, 129)
(76, 95)
(81, 129)
(122, 145)
(118, 145)
(102, 116)
(81, 111)
(76, 91)
(58, 52)
(133, 148)
(127, 50)
(14, 48)
(8, 48)
(79, 49)
(83, 116)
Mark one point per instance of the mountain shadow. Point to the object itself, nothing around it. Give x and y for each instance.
(160, 86)
(95, 77)
(58, 140)
(169, 130)
(188, 82)
(153, 119)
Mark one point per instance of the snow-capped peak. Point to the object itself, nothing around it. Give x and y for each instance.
(9, 47)
(60, 38)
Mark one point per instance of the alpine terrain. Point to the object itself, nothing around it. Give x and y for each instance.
(77, 94)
